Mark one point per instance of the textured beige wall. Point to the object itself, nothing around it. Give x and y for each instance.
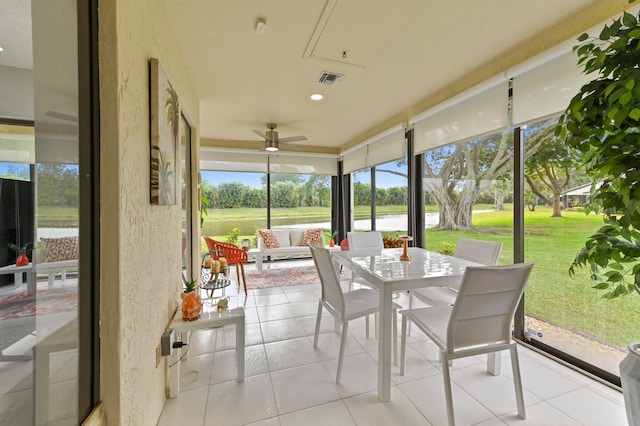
(141, 243)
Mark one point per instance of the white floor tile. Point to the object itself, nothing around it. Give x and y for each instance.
(273, 331)
(238, 403)
(428, 396)
(590, 408)
(303, 387)
(541, 414)
(291, 353)
(188, 408)
(195, 371)
(359, 374)
(288, 382)
(225, 366)
(367, 409)
(333, 413)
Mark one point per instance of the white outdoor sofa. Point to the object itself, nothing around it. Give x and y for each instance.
(289, 241)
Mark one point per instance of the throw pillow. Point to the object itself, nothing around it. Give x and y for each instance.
(63, 248)
(313, 236)
(268, 239)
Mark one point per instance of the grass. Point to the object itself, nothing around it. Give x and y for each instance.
(552, 294)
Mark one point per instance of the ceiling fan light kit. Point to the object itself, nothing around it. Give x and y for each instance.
(271, 139)
(271, 146)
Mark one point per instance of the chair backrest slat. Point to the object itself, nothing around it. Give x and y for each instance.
(365, 240)
(485, 305)
(331, 290)
(479, 251)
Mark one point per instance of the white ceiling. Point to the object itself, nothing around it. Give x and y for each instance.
(398, 54)
(397, 57)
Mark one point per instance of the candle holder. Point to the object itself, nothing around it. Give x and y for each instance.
(405, 239)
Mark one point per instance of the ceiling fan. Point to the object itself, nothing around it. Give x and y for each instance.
(271, 140)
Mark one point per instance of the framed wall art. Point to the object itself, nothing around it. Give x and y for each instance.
(165, 131)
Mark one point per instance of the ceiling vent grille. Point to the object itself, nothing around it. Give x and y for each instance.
(330, 78)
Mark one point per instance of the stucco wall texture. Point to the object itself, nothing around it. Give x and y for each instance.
(141, 243)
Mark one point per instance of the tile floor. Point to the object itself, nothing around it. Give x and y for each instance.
(288, 382)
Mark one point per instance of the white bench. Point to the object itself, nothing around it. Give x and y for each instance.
(52, 268)
(291, 242)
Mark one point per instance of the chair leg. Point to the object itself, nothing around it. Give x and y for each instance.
(410, 307)
(343, 341)
(366, 320)
(375, 318)
(238, 275)
(244, 278)
(395, 337)
(517, 381)
(446, 375)
(403, 345)
(318, 318)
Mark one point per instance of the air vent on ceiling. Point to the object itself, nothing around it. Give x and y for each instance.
(330, 78)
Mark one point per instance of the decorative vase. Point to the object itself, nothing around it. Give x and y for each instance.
(22, 260)
(332, 243)
(245, 245)
(191, 306)
(630, 378)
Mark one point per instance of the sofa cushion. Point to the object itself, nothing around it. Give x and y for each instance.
(296, 237)
(313, 236)
(269, 240)
(282, 235)
(63, 248)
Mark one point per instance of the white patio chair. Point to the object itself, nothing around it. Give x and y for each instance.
(345, 306)
(479, 251)
(478, 323)
(364, 243)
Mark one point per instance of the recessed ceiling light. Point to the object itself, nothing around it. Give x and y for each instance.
(316, 97)
(1, 49)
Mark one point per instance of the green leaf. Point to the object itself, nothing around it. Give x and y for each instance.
(616, 266)
(583, 37)
(635, 33)
(629, 20)
(634, 114)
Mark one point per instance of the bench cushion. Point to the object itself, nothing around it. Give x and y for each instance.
(63, 248)
(269, 240)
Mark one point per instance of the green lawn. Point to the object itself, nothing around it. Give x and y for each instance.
(551, 243)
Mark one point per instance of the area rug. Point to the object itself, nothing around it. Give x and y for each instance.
(282, 277)
(48, 301)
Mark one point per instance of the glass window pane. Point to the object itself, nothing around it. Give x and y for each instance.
(469, 193)
(236, 206)
(391, 197)
(564, 311)
(361, 213)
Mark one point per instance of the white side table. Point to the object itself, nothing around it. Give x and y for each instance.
(210, 318)
(17, 275)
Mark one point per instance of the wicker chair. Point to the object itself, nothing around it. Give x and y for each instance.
(235, 256)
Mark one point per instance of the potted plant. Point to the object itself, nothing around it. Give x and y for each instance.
(191, 301)
(602, 123)
(21, 252)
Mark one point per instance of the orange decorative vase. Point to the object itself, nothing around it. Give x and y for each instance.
(22, 260)
(191, 306)
(332, 243)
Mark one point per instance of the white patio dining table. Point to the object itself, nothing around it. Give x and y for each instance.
(384, 270)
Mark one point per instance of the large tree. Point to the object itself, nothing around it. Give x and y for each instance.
(456, 175)
(549, 170)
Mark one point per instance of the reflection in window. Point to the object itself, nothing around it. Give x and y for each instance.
(561, 311)
(469, 193)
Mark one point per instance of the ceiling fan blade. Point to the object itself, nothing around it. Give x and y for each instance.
(261, 134)
(292, 139)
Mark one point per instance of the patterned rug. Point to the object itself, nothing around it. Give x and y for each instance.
(48, 301)
(295, 275)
